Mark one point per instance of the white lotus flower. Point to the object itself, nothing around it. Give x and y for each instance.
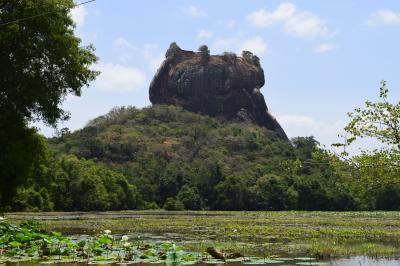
(126, 244)
(124, 238)
(1, 218)
(107, 232)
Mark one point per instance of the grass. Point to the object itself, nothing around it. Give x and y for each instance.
(320, 234)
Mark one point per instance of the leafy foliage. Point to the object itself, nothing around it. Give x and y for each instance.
(229, 56)
(41, 62)
(28, 241)
(166, 156)
(204, 51)
(250, 58)
(378, 170)
(177, 159)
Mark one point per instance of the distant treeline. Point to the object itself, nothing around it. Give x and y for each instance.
(165, 157)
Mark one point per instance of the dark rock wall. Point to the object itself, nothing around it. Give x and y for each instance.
(216, 86)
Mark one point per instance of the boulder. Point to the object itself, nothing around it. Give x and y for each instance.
(222, 86)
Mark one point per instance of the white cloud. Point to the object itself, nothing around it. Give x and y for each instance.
(256, 45)
(122, 43)
(78, 15)
(324, 132)
(225, 44)
(231, 23)
(125, 49)
(384, 17)
(118, 78)
(227, 23)
(301, 24)
(156, 62)
(204, 34)
(263, 18)
(193, 11)
(324, 47)
(301, 125)
(153, 56)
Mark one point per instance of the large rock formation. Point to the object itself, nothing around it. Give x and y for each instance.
(223, 86)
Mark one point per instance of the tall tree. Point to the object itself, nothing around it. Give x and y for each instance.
(41, 61)
(381, 122)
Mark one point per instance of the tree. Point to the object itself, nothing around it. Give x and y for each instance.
(80, 184)
(250, 58)
(229, 56)
(41, 61)
(232, 194)
(173, 204)
(273, 193)
(204, 52)
(378, 170)
(381, 122)
(190, 198)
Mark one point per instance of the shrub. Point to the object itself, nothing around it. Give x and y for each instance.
(173, 204)
(190, 198)
(250, 58)
(204, 51)
(230, 57)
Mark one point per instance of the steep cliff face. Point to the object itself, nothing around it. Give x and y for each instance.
(218, 86)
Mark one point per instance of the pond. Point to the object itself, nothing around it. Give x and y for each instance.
(245, 238)
(353, 261)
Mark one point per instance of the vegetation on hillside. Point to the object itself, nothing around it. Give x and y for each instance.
(166, 157)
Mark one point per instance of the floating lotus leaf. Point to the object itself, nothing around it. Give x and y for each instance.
(155, 262)
(285, 259)
(311, 263)
(213, 262)
(263, 262)
(102, 262)
(305, 258)
(48, 262)
(17, 260)
(189, 263)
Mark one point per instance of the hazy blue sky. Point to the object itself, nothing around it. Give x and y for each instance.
(321, 58)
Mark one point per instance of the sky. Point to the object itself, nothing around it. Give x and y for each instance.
(321, 58)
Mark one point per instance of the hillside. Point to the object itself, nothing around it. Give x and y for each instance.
(164, 156)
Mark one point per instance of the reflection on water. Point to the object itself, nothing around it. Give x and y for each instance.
(353, 261)
(365, 261)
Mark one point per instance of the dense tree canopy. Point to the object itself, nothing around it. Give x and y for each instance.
(166, 157)
(378, 170)
(163, 156)
(41, 61)
(41, 58)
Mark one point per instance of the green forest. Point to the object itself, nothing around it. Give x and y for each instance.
(166, 157)
(163, 156)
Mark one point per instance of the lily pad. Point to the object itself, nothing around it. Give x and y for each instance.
(20, 260)
(101, 262)
(155, 262)
(213, 262)
(263, 262)
(234, 260)
(311, 263)
(305, 258)
(189, 263)
(48, 262)
(285, 259)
